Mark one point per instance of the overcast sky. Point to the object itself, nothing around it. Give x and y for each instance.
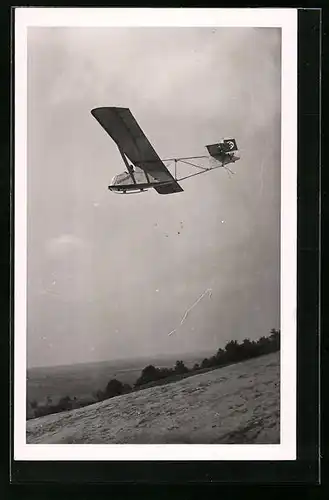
(108, 275)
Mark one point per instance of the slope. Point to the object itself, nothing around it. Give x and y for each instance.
(236, 404)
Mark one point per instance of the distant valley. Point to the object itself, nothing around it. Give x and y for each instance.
(83, 380)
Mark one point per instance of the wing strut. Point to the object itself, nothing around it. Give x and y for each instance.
(129, 168)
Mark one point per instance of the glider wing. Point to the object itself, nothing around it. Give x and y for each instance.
(122, 127)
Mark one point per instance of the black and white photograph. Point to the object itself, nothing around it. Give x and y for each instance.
(167, 317)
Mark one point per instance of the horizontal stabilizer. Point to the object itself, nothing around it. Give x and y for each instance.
(223, 147)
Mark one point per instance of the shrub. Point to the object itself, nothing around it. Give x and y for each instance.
(100, 396)
(149, 374)
(233, 351)
(113, 388)
(126, 388)
(180, 367)
(63, 404)
(205, 363)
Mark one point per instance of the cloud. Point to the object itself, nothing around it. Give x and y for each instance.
(64, 244)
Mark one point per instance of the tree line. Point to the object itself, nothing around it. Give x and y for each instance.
(233, 352)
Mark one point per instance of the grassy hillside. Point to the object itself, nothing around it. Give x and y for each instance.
(237, 404)
(79, 378)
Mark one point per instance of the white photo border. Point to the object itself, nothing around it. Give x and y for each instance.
(286, 19)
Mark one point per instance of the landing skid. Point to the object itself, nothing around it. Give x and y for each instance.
(128, 191)
(135, 188)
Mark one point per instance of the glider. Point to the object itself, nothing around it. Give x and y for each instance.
(145, 169)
